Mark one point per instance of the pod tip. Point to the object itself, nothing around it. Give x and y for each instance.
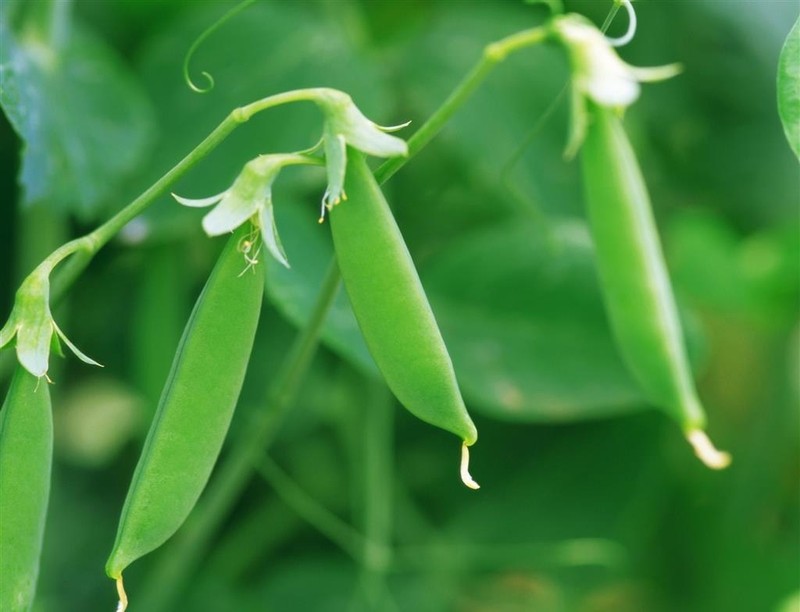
(706, 451)
(465, 475)
(123, 597)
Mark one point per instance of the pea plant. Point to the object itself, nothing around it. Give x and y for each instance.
(186, 481)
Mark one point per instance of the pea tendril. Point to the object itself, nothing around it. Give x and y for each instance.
(199, 40)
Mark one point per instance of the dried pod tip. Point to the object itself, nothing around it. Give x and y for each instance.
(706, 451)
(123, 597)
(465, 476)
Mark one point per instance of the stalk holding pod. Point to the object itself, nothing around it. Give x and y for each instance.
(26, 452)
(634, 277)
(391, 308)
(195, 409)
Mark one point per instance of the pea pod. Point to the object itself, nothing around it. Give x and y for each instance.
(391, 308)
(636, 285)
(26, 452)
(195, 408)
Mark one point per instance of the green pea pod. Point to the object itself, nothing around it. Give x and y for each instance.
(391, 308)
(636, 285)
(26, 453)
(195, 409)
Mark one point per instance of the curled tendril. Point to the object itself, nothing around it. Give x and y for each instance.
(198, 41)
(628, 36)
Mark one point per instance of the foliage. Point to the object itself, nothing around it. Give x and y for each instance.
(591, 500)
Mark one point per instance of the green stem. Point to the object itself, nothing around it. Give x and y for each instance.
(566, 553)
(327, 523)
(492, 55)
(85, 247)
(39, 230)
(378, 434)
(298, 95)
(261, 530)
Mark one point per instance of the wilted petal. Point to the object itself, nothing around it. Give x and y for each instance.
(598, 72)
(656, 73)
(612, 90)
(336, 162)
(33, 344)
(35, 326)
(199, 203)
(394, 128)
(578, 123)
(78, 353)
(364, 135)
(345, 125)
(55, 345)
(269, 234)
(231, 213)
(34, 323)
(343, 118)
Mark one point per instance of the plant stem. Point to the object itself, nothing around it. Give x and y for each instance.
(315, 514)
(39, 230)
(287, 97)
(493, 54)
(565, 553)
(378, 438)
(85, 247)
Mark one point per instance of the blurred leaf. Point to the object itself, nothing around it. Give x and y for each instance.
(162, 306)
(701, 236)
(496, 136)
(521, 312)
(789, 88)
(769, 264)
(790, 604)
(556, 6)
(95, 420)
(756, 276)
(288, 587)
(613, 467)
(83, 119)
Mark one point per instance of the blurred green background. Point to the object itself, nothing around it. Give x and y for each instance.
(591, 499)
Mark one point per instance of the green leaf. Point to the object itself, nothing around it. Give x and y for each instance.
(556, 6)
(521, 312)
(82, 118)
(789, 88)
